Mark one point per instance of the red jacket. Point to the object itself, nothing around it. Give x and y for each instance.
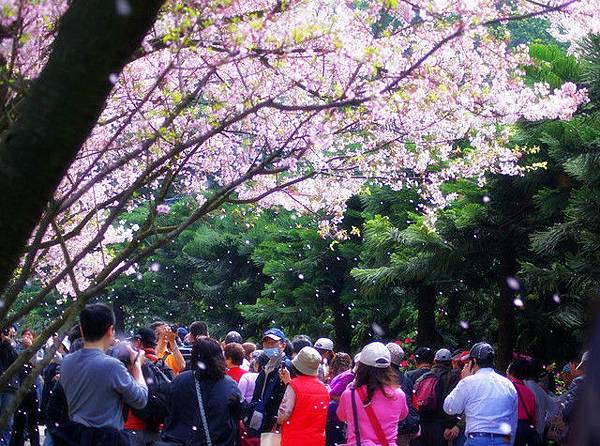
(134, 422)
(236, 373)
(527, 409)
(306, 424)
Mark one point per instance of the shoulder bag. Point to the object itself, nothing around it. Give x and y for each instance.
(373, 420)
(526, 432)
(355, 417)
(202, 412)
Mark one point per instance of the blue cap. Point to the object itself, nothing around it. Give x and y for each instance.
(182, 333)
(274, 333)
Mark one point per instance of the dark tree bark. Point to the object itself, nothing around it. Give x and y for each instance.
(508, 267)
(93, 43)
(120, 317)
(426, 300)
(342, 326)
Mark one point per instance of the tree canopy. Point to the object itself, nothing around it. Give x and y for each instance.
(166, 127)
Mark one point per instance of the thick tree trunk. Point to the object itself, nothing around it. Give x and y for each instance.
(426, 332)
(120, 317)
(506, 309)
(93, 43)
(342, 326)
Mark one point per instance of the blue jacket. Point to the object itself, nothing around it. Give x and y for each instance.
(264, 384)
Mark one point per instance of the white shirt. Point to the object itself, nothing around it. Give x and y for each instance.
(245, 365)
(247, 384)
(489, 402)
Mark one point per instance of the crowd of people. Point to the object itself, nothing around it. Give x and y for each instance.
(172, 386)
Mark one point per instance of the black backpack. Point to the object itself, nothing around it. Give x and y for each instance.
(158, 378)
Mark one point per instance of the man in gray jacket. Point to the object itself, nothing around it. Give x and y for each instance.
(96, 385)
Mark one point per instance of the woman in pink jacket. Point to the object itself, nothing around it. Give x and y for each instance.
(374, 404)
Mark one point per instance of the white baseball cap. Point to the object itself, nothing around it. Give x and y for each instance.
(376, 355)
(324, 344)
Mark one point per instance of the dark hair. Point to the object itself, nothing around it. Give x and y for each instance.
(519, 368)
(154, 325)
(74, 333)
(235, 352)
(249, 348)
(207, 359)
(95, 319)
(375, 379)
(485, 363)
(288, 350)
(259, 362)
(536, 369)
(28, 330)
(199, 328)
(339, 364)
(300, 342)
(424, 355)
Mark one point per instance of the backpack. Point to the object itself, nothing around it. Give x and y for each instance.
(164, 368)
(410, 425)
(158, 378)
(426, 393)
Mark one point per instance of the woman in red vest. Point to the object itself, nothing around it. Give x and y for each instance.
(303, 410)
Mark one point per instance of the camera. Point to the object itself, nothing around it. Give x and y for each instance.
(6, 331)
(122, 352)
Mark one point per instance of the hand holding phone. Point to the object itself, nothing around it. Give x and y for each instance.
(467, 370)
(284, 374)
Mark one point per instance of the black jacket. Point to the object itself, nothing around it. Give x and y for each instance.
(56, 410)
(222, 405)
(414, 375)
(8, 355)
(70, 433)
(263, 383)
(410, 425)
(49, 376)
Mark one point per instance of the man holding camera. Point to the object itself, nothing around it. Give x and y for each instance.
(167, 348)
(97, 386)
(488, 400)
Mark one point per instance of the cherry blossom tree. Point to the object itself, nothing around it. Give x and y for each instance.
(295, 103)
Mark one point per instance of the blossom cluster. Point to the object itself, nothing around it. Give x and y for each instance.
(575, 21)
(296, 103)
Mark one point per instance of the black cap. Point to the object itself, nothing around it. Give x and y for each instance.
(425, 355)
(482, 351)
(233, 336)
(146, 336)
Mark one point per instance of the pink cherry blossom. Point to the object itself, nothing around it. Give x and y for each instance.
(297, 104)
